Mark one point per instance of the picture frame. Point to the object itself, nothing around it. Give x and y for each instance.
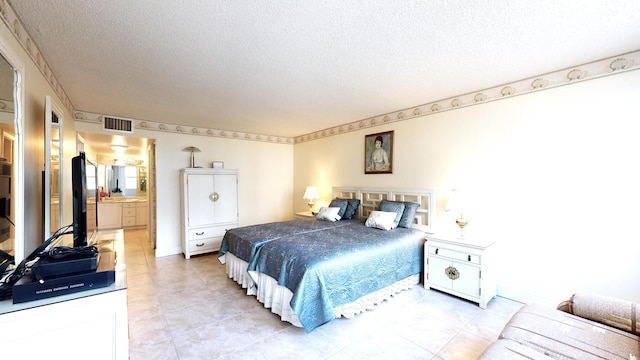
(378, 159)
(217, 164)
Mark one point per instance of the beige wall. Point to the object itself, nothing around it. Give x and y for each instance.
(551, 176)
(265, 178)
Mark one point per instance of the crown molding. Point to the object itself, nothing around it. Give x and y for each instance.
(573, 75)
(94, 118)
(21, 34)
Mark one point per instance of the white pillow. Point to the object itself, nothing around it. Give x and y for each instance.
(384, 220)
(328, 213)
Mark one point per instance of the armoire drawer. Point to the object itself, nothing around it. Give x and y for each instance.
(207, 232)
(205, 245)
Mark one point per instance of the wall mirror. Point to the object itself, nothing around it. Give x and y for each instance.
(11, 158)
(142, 179)
(53, 168)
(125, 180)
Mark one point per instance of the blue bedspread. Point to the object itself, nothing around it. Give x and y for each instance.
(336, 266)
(244, 242)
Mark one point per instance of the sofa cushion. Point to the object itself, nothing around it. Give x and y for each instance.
(560, 335)
(511, 350)
(619, 313)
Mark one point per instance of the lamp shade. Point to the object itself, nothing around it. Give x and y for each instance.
(192, 158)
(455, 203)
(311, 193)
(451, 204)
(191, 149)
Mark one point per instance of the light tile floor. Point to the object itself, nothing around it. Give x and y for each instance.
(190, 309)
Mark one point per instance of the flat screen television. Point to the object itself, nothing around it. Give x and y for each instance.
(84, 189)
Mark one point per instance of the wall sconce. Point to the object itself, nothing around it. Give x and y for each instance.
(192, 159)
(455, 203)
(311, 194)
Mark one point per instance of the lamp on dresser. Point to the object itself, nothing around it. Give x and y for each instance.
(311, 194)
(192, 159)
(455, 203)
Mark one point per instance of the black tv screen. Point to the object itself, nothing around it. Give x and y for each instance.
(79, 189)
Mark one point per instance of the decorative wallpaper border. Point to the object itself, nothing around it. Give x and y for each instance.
(185, 129)
(589, 71)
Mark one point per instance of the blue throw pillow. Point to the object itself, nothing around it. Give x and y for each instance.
(352, 207)
(409, 213)
(339, 203)
(393, 206)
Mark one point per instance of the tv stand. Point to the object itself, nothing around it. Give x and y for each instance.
(92, 321)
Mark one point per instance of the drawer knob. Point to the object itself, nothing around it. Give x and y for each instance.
(200, 233)
(468, 257)
(452, 273)
(437, 251)
(200, 245)
(214, 197)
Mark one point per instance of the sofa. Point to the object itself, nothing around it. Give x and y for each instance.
(586, 326)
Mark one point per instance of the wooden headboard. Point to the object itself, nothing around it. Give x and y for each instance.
(370, 200)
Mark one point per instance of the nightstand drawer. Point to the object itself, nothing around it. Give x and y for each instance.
(205, 245)
(454, 255)
(207, 232)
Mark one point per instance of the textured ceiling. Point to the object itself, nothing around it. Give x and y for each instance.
(288, 68)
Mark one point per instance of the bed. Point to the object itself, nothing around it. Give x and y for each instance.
(310, 272)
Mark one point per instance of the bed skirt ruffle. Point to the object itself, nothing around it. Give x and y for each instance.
(237, 270)
(277, 298)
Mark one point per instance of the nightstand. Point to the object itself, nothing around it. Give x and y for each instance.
(305, 215)
(460, 267)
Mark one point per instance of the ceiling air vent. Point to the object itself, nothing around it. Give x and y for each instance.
(117, 124)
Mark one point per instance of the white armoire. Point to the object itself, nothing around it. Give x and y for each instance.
(209, 207)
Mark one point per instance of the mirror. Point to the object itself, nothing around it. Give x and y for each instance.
(11, 184)
(53, 168)
(125, 180)
(142, 179)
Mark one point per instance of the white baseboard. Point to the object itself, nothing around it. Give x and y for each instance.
(524, 297)
(168, 252)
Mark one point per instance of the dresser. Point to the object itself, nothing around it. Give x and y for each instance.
(208, 207)
(461, 267)
(90, 324)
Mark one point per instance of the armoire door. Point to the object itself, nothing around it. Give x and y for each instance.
(201, 208)
(226, 205)
(212, 199)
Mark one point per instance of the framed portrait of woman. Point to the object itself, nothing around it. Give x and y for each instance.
(378, 151)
